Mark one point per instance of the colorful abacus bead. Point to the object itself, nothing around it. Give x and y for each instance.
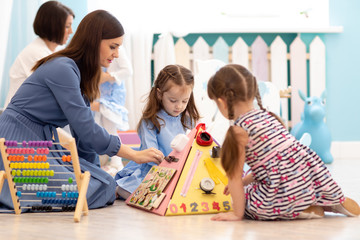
(73, 195)
(42, 151)
(36, 187)
(10, 143)
(66, 187)
(68, 208)
(39, 143)
(42, 208)
(65, 158)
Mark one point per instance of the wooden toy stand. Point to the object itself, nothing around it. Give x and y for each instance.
(82, 179)
(182, 194)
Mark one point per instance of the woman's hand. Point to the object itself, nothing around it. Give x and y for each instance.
(144, 156)
(95, 106)
(227, 216)
(149, 155)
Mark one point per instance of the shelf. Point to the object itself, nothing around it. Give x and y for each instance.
(332, 29)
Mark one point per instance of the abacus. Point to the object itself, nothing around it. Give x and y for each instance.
(28, 172)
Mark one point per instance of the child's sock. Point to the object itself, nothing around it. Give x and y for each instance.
(121, 193)
(312, 212)
(116, 162)
(349, 208)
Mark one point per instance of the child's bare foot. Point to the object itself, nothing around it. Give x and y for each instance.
(312, 212)
(349, 208)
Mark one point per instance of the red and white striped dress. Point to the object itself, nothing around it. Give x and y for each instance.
(289, 177)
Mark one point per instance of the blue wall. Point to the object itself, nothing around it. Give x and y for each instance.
(343, 76)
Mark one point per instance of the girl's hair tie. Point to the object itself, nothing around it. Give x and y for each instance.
(229, 93)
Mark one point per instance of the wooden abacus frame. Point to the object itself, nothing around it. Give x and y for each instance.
(82, 179)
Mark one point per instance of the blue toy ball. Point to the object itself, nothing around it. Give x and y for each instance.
(312, 122)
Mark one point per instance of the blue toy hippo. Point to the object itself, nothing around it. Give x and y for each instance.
(312, 122)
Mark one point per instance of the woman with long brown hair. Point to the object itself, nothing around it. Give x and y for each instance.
(59, 92)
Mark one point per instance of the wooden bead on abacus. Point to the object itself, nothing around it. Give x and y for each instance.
(68, 208)
(42, 151)
(70, 194)
(67, 187)
(36, 187)
(46, 194)
(66, 158)
(31, 179)
(10, 143)
(42, 208)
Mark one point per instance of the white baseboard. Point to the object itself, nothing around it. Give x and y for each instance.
(345, 150)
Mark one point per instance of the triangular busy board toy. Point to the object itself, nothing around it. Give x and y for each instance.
(190, 181)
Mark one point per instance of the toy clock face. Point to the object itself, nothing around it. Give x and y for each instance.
(207, 185)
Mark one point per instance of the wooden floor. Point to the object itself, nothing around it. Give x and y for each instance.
(123, 222)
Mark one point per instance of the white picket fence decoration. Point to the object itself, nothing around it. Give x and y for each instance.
(267, 63)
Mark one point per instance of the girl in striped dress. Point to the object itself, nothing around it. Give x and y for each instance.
(288, 180)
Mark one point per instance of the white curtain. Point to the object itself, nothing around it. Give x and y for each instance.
(5, 13)
(164, 52)
(18, 17)
(138, 44)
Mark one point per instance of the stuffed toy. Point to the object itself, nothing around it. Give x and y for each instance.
(312, 122)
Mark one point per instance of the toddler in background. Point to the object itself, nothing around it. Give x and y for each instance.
(288, 180)
(109, 110)
(170, 110)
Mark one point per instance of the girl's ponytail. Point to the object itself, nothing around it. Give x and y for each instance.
(233, 149)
